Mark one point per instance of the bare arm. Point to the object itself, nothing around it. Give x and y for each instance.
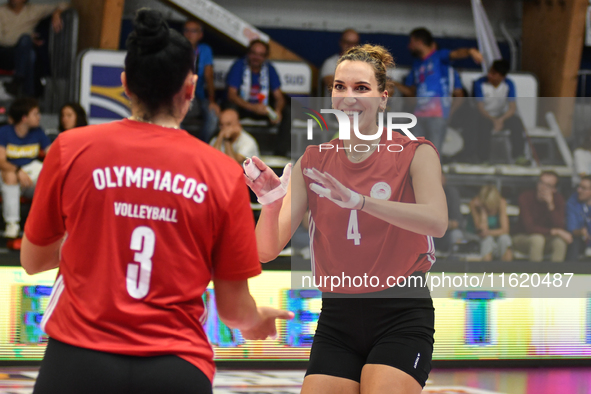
(503, 219)
(35, 259)
(237, 309)
(279, 220)
(428, 215)
(484, 112)
(5, 165)
(510, 111)
(463, 53)
(232, 153)
(235, 98)
(218, 141)
(475, 212)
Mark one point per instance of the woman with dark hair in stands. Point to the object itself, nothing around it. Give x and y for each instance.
(373, 214)
(72, 115)
(139, 217)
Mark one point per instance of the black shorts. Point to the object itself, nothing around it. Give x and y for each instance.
(352, 332)
(69, 369)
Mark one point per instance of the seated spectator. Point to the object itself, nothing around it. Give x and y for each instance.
(232, 140)
(204, 104)
(497, 111)
(541, 224)
(582, 159)
(72, 115)
(349, 39)
(17, 24)
(21, 143)
(578, 218)
(429, 81)
(490, 221)
(254, 89)
(454, 234)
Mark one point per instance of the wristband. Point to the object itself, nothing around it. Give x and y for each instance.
(362, 205)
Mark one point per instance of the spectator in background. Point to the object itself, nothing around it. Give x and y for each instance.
(349, 39)
(205, 103)
(232, 140)
(21, 143)
(578, 218)
(497, 111)
(541, 224)
(582, 159)
(454, 234)
(254, 88)
(429, 80)
(17, 25)
(71, 115)
(490, 221)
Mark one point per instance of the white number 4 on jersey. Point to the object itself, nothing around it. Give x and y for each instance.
(353, 228)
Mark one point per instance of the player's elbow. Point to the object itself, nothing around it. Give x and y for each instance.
(29, 269)
(30, 266)
(265, 257)
(439, 226)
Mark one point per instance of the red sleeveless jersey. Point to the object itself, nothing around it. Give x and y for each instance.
(151, 216)
(348, 243)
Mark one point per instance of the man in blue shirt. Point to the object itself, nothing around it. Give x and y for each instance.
(254, 89)
(205, 90)
(578, 219)
(21, 143)
(497, 111)
(429, 81)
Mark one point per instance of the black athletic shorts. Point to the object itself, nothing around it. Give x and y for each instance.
(354, 331)
(69, 369)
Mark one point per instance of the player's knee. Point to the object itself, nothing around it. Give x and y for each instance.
(9, 178)
(537, 241)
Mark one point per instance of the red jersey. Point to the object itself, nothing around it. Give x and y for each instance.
(151, 216)
(345, 242)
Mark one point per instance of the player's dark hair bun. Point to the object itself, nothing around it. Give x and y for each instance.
(151, 33)
(157, 63)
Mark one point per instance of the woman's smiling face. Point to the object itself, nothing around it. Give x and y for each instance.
(355, 90)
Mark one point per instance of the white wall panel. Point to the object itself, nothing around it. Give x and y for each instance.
(445, 18)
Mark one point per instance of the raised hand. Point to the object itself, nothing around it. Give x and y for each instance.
(261, 179)
(327, 186)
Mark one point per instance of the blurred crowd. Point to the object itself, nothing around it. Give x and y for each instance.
(547, 225)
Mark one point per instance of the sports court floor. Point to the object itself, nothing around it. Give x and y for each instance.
(572, 380)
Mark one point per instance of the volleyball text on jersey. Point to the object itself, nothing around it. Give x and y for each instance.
(143, 178)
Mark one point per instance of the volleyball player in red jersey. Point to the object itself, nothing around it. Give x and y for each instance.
(139, 217)
(371, 213)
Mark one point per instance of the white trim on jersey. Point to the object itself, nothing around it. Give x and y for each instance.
(56, 292)
(311, 231)
(203, 318)
(431, 251)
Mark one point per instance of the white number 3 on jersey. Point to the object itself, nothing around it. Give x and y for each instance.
(353, 228)
(140, 271)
